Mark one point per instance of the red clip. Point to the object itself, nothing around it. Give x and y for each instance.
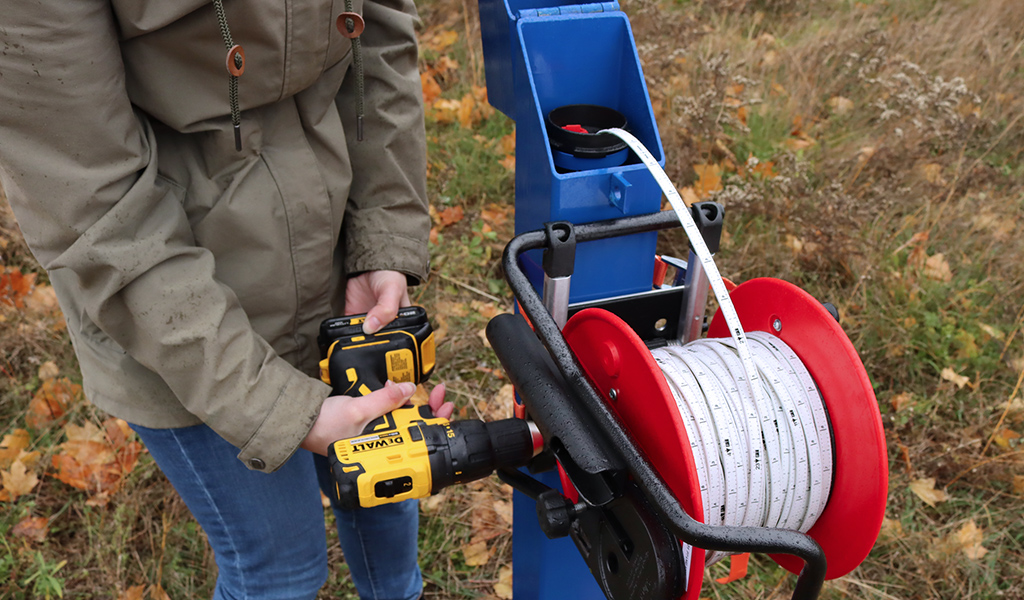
(235, 55)
(350, 24)
(575, 128)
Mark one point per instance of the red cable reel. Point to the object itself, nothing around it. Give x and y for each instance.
(615, 358)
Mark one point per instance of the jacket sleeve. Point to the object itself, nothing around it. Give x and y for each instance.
(386, 220)
(79, 167)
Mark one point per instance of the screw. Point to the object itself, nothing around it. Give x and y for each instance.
(613, 394)
(777, 324)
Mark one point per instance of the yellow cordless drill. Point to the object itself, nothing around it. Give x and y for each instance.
(407, 453)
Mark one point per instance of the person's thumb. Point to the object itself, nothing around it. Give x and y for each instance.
(385, 400)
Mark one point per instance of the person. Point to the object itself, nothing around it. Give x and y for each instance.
(199, 214)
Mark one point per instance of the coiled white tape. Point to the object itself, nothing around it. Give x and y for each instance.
(757, 425)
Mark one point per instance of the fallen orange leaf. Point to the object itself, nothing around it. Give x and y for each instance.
(14, 286)
(11, 446)
(32, 528)
(450, 216)
(51, 401)
(136, 592)
(94, 460)
(431, 89)
(709, 179)
(18, 481)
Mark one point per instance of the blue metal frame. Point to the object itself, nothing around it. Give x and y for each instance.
(539, 55)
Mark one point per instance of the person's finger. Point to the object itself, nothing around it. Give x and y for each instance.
(436, 397)
(388, 300)
(445, 411)
(382, 401)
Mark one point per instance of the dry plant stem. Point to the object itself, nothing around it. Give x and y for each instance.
(871, 588)
(1013, 334)
(999, 458)
(471, 46)
(1006, 411)
(470, 288)
(473, 399)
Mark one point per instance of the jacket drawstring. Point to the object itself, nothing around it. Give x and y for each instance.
(350, 24)
(235, 63)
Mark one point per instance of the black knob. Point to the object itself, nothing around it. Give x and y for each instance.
(555, 513)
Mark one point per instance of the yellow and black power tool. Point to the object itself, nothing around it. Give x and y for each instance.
(407, 453)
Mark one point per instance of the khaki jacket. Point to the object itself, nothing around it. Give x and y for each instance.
(194, 277)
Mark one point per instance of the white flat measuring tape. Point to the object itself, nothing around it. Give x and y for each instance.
(757, 425)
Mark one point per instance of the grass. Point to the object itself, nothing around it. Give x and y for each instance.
(893, 132)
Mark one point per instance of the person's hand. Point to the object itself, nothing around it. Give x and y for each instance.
(379, 294)
(344, 416)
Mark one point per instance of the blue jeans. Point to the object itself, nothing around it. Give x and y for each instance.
(267, 529)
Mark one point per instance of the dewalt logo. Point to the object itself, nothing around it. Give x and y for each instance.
(374, 442)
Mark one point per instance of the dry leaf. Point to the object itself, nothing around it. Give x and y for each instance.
(503, 508)
(431, 89)
(509, 162)
(959, 380)
(432, 504)
(770, 59)
(764, 168)
(840, 105)
(1018, 485)
(689, 196)
(41, 302)
(476, 553)
(11, 446)
(18, 481)
(891, 529)
(932, 173)
(156, 592)
(901, 401)
(487, 310)
(937, 268)
(968, 539)
(709, 179)
(136, 592)
(507, 143)
(1005, 437)
(32, 528)
(440, 41)
(48, 370)
(925, 490)
(992, 331)
(496, 215)
(465, 112)
(96, 460)
(15, 286)
(421, 396)
(503, 589)
(51, 401)
(450, 216)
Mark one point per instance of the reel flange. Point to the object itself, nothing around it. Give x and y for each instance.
(624, 371)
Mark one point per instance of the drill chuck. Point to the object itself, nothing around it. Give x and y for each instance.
(465, 451)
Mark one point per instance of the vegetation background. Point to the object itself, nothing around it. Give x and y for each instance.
(867, 151)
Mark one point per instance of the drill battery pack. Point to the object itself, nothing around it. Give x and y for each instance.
(355, 364)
